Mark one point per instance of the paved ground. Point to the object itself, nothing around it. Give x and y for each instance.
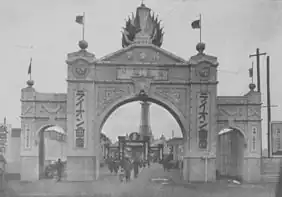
(151, 182)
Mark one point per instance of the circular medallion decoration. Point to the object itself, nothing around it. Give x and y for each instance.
(205, 72)
(80, 72)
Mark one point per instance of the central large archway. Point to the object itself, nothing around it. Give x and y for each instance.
(168, 106)
(181, 120)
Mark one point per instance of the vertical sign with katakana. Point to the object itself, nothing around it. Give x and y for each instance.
(203, 120)
(80, 119)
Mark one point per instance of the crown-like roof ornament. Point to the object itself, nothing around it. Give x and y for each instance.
(143, 28)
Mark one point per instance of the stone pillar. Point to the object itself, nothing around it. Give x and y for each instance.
(145, 128)
(83, 140)
(252, 158)
(29, 151)
(203, 118)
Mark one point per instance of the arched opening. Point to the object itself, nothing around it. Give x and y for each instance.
(231, 143)
(124, 117)
(51, 141)
(176, 114)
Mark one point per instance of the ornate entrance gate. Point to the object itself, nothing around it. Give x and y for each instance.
(141, 71)
(135, 147)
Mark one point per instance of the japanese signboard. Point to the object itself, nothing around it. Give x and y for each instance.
(80, 119)
(203, 119)
(156, 74)
(3, 135)
(27, 136)
(276, 138)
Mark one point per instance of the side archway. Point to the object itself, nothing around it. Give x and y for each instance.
(40, 142)
(231, 143)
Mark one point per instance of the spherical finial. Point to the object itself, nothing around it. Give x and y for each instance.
(201, 47)
(30, 83)
(252, 86)
(83, 44)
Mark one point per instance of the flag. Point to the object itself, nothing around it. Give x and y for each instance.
(29, 68)
(251, 72)
(80, 19)
(196, 24)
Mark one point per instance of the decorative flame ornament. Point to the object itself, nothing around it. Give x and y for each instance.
(143, 28)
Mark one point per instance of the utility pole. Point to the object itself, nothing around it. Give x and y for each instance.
(268, 104)
(258, 54)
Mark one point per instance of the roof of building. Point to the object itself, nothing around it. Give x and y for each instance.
(159, 141)
(16, 132)
(2, 159)
(175, 140)
(56, 129)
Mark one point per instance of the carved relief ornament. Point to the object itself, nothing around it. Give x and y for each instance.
(253, 112)
(204, 72)
(28, 110)
(237, 112)
(51, 110)
(143, 56)
(80, 72)
(109, 95)
(156, 56)
(174, 96)
(170, 94)
(142, 84)
(129, 55)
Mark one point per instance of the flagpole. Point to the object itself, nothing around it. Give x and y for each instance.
(200, 28)
(30, 62)
(252, 71)
(83, 26)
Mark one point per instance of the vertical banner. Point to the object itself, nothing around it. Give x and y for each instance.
(146, 151)
(203, 119)
(276, 138)
(27, 136)
(161, 151)
(80, 119)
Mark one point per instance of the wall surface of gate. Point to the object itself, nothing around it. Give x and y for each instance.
(39, 110)
(244, 114)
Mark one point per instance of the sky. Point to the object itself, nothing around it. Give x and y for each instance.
(232, 30)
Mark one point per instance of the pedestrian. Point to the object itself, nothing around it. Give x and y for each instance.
(136, 168)
(110, 164)
(59, 169)
(115, 166)
(127, 169)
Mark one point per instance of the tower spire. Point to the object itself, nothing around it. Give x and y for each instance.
(145, 126)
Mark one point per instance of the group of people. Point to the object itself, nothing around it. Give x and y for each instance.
(55, 169)
(125, 167)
